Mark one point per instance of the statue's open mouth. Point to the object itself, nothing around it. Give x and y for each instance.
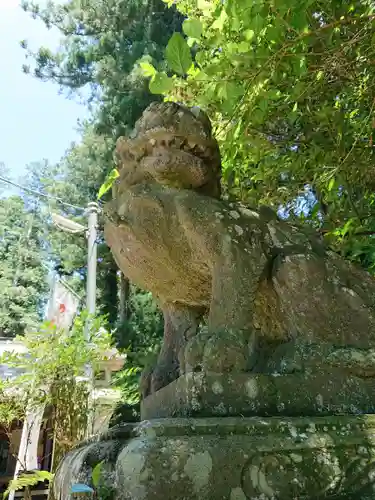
(147, 143)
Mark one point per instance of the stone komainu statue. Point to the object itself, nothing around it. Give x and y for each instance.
(275, 299)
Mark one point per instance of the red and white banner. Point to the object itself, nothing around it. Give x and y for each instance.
(63, 306)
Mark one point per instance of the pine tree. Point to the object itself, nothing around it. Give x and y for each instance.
(102, 42)
(23, 275)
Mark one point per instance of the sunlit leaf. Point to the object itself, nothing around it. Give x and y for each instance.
(160, 84)
(108, 183)
(249, 35)
(220, 21)
(192, 28)
(205, 5)
(28, 479)
(96, 474)
(331, 184)
(178, 54)
(147, 69)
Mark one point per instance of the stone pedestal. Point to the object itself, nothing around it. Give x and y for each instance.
(249, 458)
(233, 459)
(211, 436)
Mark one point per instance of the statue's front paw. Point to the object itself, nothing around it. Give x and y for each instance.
(219, 352)
(226, 352)
(191, 355)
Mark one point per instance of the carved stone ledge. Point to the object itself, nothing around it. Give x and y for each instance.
(232, 394)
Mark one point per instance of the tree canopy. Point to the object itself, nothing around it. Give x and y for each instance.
(23, 278)
(289, 85)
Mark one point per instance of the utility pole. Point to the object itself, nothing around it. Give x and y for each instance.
(70, 226)
(92, 236)
(92, 256)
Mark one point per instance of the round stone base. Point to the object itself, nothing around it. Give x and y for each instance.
(231, 459)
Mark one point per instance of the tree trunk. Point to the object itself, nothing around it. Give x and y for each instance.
(124, 309)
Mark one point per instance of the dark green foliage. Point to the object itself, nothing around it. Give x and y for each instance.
(76, 179)
(125, 412)
(140, 336)
(23, 278)
(145, 322)
(289, 87)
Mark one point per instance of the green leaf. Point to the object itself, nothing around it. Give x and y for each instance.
(249, 35)
(192, 28)
(243, 47)
(200, 58)
(257, 23)
(347, 227)
(161, 84)
(235, 23)
(315, 211)
(147, 69)
(178, 54)
(299, 20)
(220, 21)
(274, 34)
(229, 176)
(222, 90)
(273, 94)
(204, 5)
(96, 474)
(331, 184)
(107, 184)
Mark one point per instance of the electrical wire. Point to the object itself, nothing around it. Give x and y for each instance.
(59, 200)
(41, 195)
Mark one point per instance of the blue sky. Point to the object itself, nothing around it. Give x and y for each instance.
(36, 122)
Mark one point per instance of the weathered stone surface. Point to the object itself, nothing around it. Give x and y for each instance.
(260, 281)
(298, 394)
(77, 465)
(290, 336)
(244, 459)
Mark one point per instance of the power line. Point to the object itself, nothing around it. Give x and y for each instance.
(41, 195)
